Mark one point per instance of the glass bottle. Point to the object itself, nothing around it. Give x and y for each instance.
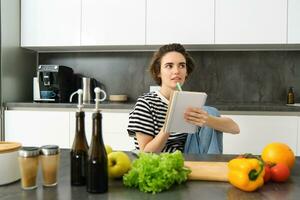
(291, 96)
(97, 169)
(79, 151)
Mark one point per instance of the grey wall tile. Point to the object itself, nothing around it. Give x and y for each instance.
(226, 76)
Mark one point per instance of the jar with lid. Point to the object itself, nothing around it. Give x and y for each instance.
(50, 157)
(28, 163)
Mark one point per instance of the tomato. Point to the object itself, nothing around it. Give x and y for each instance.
(267, 175)
(277, 152)
(280, 172)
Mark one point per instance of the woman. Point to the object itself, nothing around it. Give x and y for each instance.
(169, 65)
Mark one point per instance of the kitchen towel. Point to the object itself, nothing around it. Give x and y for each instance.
(206, 140)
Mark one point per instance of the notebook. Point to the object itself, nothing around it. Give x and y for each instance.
(179, 102)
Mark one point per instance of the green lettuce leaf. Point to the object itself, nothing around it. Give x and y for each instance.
(155, 173)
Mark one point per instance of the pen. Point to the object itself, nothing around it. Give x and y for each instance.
(178, 86)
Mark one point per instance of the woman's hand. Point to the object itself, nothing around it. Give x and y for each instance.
(196, 116)
(199, 117)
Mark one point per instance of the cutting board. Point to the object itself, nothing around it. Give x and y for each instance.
(9, 146)
(208, 171)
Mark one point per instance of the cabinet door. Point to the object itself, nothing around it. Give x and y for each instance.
(37, 128)
(186, 22)
(298, 139)
(251, 21)
(113, 22)
(114, 130)
(258, 131)
(50, 22)
(293, 21)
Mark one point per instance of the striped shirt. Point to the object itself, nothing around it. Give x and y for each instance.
(148, 117)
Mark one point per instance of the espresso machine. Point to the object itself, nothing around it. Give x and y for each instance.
(54, 83)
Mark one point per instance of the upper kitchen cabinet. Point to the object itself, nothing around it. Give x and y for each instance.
(186, 22)
(251, 22)
(294, 21)
(113, 22)
(50, 23)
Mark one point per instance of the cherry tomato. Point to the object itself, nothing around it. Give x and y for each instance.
(280, 172)
(267, 175)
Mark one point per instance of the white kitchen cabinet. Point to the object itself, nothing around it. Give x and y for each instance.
(113, 22)
(251, 22)
(37, 128)
(298, 139)
(50, 23)
(293, 21)
(114, 129)
(256, 131)
(186, 22)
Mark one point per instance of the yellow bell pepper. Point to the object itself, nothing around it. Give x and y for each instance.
(246, 173)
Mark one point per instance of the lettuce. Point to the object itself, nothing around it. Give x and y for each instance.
(155, 173)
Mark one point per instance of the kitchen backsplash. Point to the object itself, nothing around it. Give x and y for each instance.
(226, 76)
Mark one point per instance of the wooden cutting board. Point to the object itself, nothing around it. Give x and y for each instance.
(209, 171)
(6, 147)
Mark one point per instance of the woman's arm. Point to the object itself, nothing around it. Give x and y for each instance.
(201, 118)
(149, 144)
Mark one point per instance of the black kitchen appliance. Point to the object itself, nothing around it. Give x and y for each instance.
(56, 83)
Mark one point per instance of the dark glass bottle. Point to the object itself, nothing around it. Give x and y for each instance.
(79, 153)
(291, 96)
(97, 169)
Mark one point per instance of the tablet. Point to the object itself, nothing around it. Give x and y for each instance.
(179, 102)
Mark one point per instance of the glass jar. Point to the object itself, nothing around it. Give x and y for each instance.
(50, 157)
(28, 163)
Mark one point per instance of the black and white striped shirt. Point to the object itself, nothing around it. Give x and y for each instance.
(148, 117)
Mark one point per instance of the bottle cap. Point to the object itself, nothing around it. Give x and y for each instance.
(97, 98)
(48, 150)
(29, 152)
(80, 93)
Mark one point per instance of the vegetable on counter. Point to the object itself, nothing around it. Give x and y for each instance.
(246, 173)
(156, 172)
(267, 176)
(280, 172)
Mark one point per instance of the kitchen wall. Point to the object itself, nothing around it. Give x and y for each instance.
(226, 76)
(17, 64)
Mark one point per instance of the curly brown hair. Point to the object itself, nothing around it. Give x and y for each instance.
(155, 63)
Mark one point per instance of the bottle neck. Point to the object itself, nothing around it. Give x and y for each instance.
(97, 125)
(80, 130)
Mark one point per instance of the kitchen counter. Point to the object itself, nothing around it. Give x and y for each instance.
(189, 190)
(106, 105)
(257, 107)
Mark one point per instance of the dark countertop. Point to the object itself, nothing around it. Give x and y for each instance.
(73, 106)
(272, 107)
(189, 190)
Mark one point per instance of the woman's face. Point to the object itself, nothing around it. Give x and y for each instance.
(173, 69)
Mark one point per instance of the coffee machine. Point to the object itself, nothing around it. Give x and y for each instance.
(55, 83)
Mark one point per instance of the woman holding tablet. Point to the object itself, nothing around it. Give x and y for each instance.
(170, 65)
